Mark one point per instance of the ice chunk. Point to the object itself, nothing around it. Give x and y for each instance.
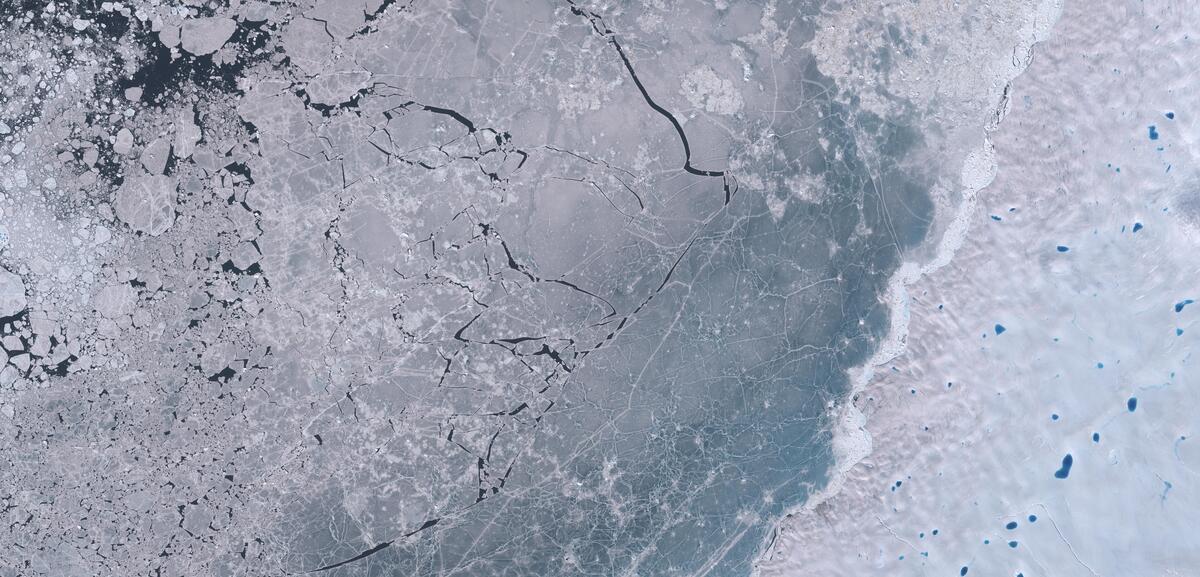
(21, 361)
(245, 255)
(8, 375)
(115, 300)
(169, 36)
(12, 294)
(147, 204)
(705, 89)
(256, 11)
(202, 36)
(154, 157)
(187, 134)
(124, 142)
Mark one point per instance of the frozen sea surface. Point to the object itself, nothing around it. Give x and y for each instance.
(542, 287)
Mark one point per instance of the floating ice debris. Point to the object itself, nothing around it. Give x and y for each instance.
(115, 301)
(244, 256)
(147, 204)
(169, 36)
(12, 294)
(187, 134)
(202, 36)
(124, 142)
(154, 156)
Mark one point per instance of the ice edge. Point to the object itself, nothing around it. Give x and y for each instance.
(851, 440)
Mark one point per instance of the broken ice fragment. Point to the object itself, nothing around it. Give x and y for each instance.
(8, 375)
(124, 142)
(705, 89)
(245, 255)
(202, 36)
(187, 134)
(147, 204)
(21, 361)
(256, 11)
(154, 156)
(12, 294)
(115, 300)
(169, 36)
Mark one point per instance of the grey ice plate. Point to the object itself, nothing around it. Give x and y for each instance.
(452, 287)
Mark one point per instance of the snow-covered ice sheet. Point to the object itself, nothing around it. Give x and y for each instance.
(1045, 417)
